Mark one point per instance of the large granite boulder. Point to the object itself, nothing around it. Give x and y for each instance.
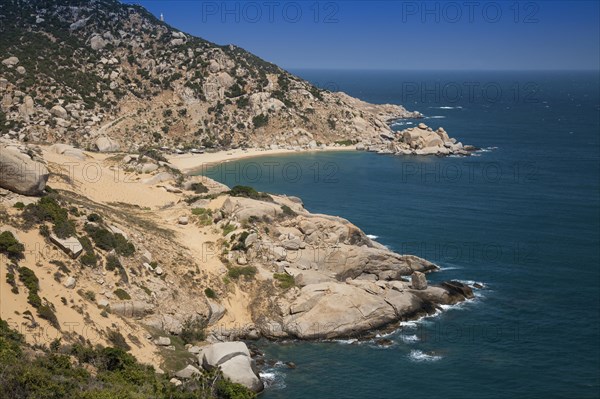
(106, 144)
(235, 362)
(19, 172)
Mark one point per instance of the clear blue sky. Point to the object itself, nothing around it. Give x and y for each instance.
(411, 35)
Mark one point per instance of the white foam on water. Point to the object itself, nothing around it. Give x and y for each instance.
(272, 379)
(409, 339)
(435, 117)
(346, 341)
(446, 107)
(372, 237)
(420, 356)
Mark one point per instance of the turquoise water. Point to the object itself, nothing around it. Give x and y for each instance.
(522, 218)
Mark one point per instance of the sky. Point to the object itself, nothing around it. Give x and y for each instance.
(398, 35)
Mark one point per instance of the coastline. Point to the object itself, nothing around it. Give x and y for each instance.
(190, 163)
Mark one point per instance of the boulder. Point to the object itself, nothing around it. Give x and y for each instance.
(106, 144)
(10, 61)
(70, 282)
(20, 173)
(183, 220)
(235, 362)
(97, 43)
(131, 308)
(418, 281)
(216, 312)
(21, 70)
(59, 112)
(162, 341)
(188, 372)
(27, 108)
(71, 245)
(69, 151)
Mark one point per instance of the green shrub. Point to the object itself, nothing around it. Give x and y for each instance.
(107, 241)
(10, 246)
(249, 192)
(240, 244)
(287, 211)
(260, 120)
(19, 205)
(47, 313)
(247, 272)
(31, 282)
(122, 294)
(118, 340)
(199, 188)
(94, 217)
(228, 228)
(210, 293)
(193, 331)
(285, 280)
(112, 263)
(48, 209)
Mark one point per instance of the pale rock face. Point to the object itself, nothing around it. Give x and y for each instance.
(59, 112)
(70, 282)
(68, 150)
(106, 144)
(71, 245)
(10, 61)
(27, 108)
(20, 173)
(418, 281)
(97, 43)
(235, 362)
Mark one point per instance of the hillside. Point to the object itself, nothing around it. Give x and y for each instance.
(75, 70)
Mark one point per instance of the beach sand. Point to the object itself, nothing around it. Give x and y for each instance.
(189, 163)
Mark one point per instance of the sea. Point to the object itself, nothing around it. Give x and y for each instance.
(520, 218)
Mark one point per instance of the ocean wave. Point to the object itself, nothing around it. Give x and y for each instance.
(273, 379)
(420, 356)
(446, 107)
(409, 339)
(435, 117)
(372, 236)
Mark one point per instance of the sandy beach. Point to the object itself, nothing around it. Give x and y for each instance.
(189, 163)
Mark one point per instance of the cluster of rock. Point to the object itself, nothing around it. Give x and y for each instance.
(346, 284)
(233, 359)
(421, 140)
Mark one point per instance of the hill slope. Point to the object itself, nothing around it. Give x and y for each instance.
(76, 70)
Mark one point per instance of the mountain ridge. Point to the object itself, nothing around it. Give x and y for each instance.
(79, 70)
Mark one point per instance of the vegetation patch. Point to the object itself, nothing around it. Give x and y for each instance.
(210, 293)
(249, 192)
(122, 294)
(48, 209)
(247, 272)
(10, 246)
(288, 212)
(108, 241)
(285, 280)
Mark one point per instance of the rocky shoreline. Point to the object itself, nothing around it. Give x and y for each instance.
(420, 140)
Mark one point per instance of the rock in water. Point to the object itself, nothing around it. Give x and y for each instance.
(20, 173)
(418, 281)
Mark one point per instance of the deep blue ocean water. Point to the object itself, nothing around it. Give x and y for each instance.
(521, 217)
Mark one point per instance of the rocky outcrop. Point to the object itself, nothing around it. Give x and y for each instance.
(233, 358)
(421, 140)
(21, 171)
(345, 283)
